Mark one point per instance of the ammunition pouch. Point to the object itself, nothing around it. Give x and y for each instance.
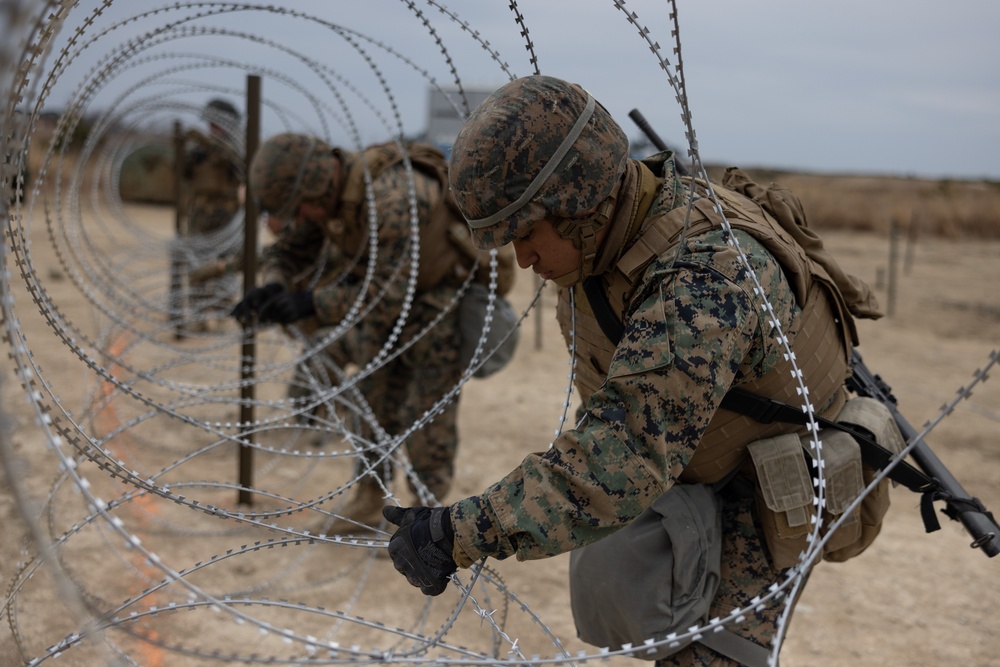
(784, 466)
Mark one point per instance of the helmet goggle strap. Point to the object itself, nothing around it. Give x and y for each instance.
(543, 175)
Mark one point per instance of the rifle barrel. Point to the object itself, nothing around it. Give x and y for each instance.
(647, 129)
(981, 525)
(655, 139)
(985, 533)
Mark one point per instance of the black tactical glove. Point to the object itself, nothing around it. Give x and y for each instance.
(288, 307)
(255, 299)
(421, 548)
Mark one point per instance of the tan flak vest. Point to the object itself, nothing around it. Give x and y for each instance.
(822, 351)
(446, 248)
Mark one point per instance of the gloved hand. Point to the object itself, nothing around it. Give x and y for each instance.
(254, 300)
(288, 307)
(421, 548)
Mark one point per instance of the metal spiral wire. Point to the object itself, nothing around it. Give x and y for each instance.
(141, 427)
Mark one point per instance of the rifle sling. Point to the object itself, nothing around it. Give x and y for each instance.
(768, 410)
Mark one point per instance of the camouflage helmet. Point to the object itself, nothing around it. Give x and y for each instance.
(538, 147)
(220, 112)
(289, 168)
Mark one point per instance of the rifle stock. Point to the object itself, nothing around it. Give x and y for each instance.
(979, 523)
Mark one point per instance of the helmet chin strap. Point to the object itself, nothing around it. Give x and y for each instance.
(569, 279)
(584, 233)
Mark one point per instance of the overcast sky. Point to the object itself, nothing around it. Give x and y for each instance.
(902, 87)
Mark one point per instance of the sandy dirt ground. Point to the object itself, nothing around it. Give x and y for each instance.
(914, 599)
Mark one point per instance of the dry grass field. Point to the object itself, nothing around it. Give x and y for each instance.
(919, 207)
(913, 599)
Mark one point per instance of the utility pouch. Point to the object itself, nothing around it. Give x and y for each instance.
(844, 481)
(784, 496)
(786, 502)
(656, 578)
(874, 417)
(499, 343)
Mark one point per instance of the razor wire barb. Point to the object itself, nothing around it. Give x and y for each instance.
(118, 486)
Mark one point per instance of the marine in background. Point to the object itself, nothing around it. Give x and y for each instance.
(211, 196)
(316, 277)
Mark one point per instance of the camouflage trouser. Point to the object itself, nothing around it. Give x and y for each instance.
(202, 221)
(402, 390)
(408, 387)
(400, 395)
(205, 219)
(315, 373)
(339, 352)
(746, 573)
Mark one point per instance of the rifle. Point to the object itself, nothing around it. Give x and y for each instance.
(654, 138)
(940, 483)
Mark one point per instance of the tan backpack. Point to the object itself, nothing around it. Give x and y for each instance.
(446, 248)
(787, 504)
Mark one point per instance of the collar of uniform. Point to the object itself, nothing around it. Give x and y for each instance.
(638, 192)
(346, 159)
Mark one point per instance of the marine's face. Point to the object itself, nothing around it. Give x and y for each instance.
(307, 211)
(276, 225)
(545, 252)
(310, 210)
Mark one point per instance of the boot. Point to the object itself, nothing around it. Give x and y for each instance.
(361, 513)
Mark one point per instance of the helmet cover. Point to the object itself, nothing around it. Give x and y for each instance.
(289, 168)
(220, 112)
(537, 147)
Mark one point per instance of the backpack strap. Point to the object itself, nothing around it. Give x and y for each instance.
(374, 159)
(612, 327)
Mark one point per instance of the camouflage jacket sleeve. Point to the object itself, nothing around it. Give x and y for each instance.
(693, 328)
(296, 252)
(394, 207)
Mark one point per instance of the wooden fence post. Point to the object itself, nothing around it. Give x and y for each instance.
(176, 301)
(893, 277)
(249, 351)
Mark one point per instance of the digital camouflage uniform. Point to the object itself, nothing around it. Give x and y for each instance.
(404, 388)
(692, 329)
(330, 266)
(212, 182)
(212, 175)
